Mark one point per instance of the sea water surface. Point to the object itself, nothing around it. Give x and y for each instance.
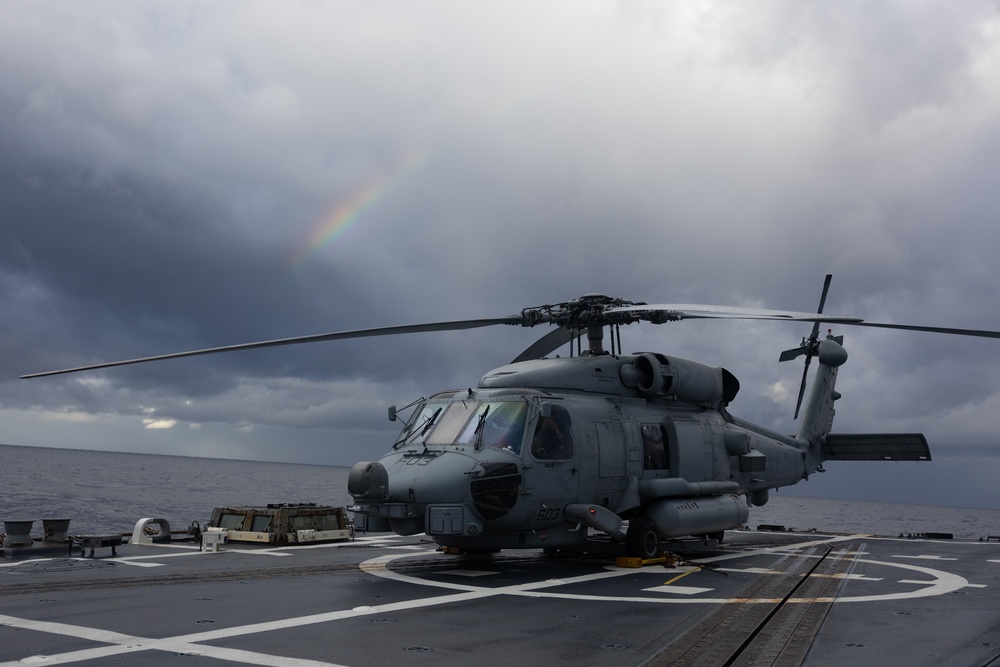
(107, 492)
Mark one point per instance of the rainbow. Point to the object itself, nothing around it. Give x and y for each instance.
(347, 212)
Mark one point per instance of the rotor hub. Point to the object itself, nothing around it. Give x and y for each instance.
(590, 313)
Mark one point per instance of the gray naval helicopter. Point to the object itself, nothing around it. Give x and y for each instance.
(551, 452)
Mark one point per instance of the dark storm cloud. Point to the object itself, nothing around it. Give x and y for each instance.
(176, 176)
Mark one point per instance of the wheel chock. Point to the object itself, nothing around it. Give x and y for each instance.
(666, 560)
(634, 561)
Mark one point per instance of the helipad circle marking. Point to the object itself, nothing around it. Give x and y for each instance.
(941, 583)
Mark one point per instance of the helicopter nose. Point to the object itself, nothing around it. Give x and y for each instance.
(368, 480)
(441, 478)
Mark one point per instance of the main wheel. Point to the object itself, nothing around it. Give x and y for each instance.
(642, 539)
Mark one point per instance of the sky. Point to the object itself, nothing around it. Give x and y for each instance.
(180, 175)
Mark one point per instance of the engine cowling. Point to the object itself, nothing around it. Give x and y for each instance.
(653, 374)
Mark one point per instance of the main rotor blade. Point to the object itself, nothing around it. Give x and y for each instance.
(547, 344)
(697, 311)
(688, 311)
(979, 333)
(315, 338)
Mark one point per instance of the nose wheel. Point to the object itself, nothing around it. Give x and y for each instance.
(642, 540)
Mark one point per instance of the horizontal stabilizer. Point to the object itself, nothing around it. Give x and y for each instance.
(876, 447)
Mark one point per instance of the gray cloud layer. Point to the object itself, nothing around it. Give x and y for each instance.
(181, 175)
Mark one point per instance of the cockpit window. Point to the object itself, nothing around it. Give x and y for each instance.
(553, 438)
(498, 424)
(451, 422)
(421, 423)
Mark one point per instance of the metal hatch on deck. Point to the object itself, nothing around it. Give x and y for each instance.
(283, 524)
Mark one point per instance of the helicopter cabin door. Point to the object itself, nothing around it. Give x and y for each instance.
(554, 450)
(611, 449)
(693, 443)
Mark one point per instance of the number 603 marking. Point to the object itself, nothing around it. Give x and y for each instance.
(548, 514)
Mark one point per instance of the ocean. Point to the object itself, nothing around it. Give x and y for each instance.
(107, 492)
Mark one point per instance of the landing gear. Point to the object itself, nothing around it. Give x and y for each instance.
(642, 539)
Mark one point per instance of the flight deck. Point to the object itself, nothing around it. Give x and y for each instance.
(759, 598)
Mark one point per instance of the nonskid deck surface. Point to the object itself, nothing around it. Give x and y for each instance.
(783, 599)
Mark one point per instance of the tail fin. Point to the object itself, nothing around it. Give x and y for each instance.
(818, 418)
(822, 445)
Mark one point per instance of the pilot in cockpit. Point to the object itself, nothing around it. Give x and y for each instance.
(553, 438)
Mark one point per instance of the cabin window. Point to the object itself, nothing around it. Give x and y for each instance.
(654, 447)
(327, 521)
(261, 524)
(302, 522)
(232, 521)
(553, 438)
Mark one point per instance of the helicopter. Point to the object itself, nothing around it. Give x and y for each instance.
(633, 448)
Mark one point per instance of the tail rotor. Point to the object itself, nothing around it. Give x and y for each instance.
(809, 347)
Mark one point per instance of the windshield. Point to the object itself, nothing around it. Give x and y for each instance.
(420, 423)
(498, 424)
